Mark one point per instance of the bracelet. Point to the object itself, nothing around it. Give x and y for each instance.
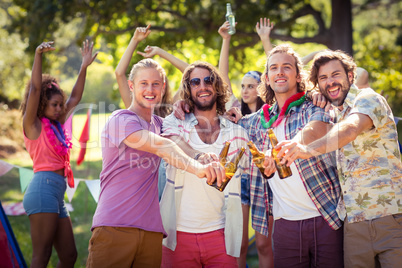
(197, 156)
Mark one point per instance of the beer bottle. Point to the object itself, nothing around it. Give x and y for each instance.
(258, 158)
(283, 170)
(224, 153)
(231, 19)
(230, 170)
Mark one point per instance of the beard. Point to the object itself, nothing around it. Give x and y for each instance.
(344, 89)
(205, 106)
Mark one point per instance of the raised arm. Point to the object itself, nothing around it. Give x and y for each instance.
(150, 142)
(78, 89)
(151, 51)
(224, 57)
(140, 34)
(306, 59)
(31, 123)
(264, 28)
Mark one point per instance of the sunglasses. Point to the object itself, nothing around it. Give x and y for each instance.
(195, 82)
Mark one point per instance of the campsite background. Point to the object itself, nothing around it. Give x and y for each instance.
(370, 30)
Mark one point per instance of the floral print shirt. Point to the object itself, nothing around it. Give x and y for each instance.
(370, 168)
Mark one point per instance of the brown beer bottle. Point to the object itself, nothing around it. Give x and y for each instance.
(224, 153)
(258, 158)
(230, 170)
(283, 170)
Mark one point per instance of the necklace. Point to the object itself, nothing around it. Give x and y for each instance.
(268, 122)
(55, 131)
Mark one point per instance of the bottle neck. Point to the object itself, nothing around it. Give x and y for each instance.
(237, 160)
(228, 9)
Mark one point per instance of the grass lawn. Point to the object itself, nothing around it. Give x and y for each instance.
(82, 202)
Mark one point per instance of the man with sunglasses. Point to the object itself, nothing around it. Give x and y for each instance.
(204, 225)
(307, 228)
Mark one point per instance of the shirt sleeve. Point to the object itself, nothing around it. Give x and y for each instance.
(319, 114)
(373, 105)
(120, 126)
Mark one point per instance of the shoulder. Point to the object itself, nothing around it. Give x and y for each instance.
(122, 118)
(368, 95)
(367, 99)
(250, 119)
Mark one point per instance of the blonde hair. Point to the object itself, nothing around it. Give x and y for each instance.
(165, 107)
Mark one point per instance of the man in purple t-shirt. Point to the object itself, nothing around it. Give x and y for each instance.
(127, 226)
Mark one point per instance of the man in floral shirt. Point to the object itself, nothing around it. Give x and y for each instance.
(369, 163)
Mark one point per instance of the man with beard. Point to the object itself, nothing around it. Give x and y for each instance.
(204, 225)
(369, 163)
(307, 229)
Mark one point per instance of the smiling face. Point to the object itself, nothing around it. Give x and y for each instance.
(333, 82)
(282, 75)
(54, 107)
(204, 96)
(249, 92)
(147, 87)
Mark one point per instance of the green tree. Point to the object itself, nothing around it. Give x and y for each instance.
(324, 22)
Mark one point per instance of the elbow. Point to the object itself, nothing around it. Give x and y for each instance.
(164, 147)
(118, 73)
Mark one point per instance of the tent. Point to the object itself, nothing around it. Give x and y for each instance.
(10, 253)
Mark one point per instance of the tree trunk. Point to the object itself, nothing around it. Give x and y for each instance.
(341, 33)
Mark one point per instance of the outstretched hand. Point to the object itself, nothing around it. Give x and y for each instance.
(141, 33)
(213, 171)
(149, 51)
(86, 52)
(269, 165)
(291, 150)
(264, 28)
(45, 47)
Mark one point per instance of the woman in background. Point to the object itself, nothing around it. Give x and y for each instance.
(45, 109)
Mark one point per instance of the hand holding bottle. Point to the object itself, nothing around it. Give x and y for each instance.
(230, 170)
(259, 160)
(283, 170)
(231, 19)
(214, 173)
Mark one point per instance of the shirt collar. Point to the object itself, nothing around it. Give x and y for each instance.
(350, 97)
(193, 120)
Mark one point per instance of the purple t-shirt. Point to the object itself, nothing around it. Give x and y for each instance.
(129, 177)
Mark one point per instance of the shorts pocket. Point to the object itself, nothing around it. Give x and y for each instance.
(397, 218)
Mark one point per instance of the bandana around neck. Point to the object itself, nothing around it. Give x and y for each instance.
(268, 122)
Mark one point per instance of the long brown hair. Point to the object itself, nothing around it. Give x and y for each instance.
(49, 88)
(265, 90)
(222, 89)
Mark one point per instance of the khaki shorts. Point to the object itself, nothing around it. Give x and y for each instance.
(124, 247)
(368, 243)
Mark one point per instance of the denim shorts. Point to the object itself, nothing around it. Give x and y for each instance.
(245, 191)
(45, 194)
